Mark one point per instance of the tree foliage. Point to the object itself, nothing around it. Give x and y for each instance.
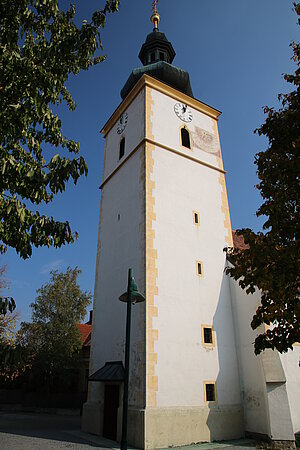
(271, 262)
(7, 304)
(8, 324)
(12, 358)
(40, 47)
(53, 338)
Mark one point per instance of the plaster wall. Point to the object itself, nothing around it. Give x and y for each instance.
(121, 237)
(253, 387)
(134, 132)
(185, 300)
(279, 412)
(168, 427)
(290, 362)
(269, 382)
(203, 130)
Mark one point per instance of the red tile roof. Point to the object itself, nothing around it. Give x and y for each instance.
(85, 331)
(238, 241)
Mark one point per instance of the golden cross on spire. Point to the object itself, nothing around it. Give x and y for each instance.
(154, 7)
(155, 18)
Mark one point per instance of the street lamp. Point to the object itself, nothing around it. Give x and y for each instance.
(131, 296)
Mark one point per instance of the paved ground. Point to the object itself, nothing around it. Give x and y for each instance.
(27, 431)
(41, 431)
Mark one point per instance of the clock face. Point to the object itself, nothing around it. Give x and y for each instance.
(183, 112)
(122, 123)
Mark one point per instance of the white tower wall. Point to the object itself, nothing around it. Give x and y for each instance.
(148, 201)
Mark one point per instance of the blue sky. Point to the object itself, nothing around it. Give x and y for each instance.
(235, 52)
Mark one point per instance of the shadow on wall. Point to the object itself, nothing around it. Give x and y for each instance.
(225, 419)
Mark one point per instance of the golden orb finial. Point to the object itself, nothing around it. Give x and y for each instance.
(155, 18)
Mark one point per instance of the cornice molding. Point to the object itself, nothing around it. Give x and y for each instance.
(147, 80)
(157, 144)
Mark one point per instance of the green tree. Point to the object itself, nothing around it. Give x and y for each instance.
(53, 338)
(40, 47)
(271, 262)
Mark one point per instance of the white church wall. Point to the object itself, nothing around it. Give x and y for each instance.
(269, 382)
(253, 385)
(279, 412)
(290, 362)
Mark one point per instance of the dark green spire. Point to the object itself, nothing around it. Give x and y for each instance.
(156, 48)
(157, 55)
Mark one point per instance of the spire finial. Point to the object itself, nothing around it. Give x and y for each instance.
(155, 18)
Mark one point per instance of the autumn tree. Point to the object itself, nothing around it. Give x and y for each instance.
(7, 314)
(13, 360)
(7, 304)
(8, 323)
(40, 47)
(271, 262)
(53, 338)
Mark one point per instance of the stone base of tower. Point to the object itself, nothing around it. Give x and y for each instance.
(92, 418)
(166, 427)
(92, 422)
(176, 426)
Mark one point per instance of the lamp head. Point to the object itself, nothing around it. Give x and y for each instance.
(136, 296)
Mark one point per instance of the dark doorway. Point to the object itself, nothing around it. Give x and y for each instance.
(111, 405)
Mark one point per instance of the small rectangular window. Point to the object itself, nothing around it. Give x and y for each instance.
(196, 218)
(122, 148)
(210, 392)
(207, 335)
(199, 268)
(161, 56)
(152, 57)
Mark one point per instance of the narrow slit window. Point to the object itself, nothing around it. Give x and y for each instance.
(152, 57)
(210, 392)
(161, 56)
(185, 138)
(199, 268)
(207, 335)
(196, 218)
(122, 148)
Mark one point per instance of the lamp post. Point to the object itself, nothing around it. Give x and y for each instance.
(132, 296)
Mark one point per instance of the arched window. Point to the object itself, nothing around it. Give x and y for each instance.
(122, 148)
(185, 138)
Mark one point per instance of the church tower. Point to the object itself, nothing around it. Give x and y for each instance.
(164, 213)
